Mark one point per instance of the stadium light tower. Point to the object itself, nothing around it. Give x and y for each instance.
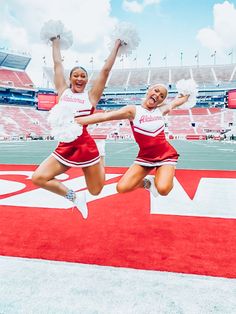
(196, 57)
(213, 55)
(181, 58)
(165, 59)
(122, 62)
(91, 61)
(149, 59)
(231, 55)
(135, 60)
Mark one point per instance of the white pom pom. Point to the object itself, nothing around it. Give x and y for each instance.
(188, 87)
(61, 114)
(52, 29)
(67, 133)
(63, 126)
(127, 33)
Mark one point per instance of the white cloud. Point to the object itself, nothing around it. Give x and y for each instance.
(148, 2)
(17, 35)
(132, 6)
(11, 31)
(90, 23)
(86, 19)
(137, 7)
(222, 35)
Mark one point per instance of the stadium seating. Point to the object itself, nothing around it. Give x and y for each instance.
(207, 77)
(17, 79)
(199, 111)
(178, 73)
(124, 86)
(204, 75)
(138, 78)
(159, 75)
(214, 110)
(18, 121)
(24, 78)
(179, 112)
(118, 79)
(179, 125)
(224, 73)
(22, 121)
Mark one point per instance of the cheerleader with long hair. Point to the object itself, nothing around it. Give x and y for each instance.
(76, 147)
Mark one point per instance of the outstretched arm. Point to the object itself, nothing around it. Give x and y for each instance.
(127, 112)
(96, 92)
(59, 78)
(178, 101)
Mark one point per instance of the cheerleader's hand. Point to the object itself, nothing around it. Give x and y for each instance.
(118, 43)
(123, 43)
(55, 37)
(188, 88)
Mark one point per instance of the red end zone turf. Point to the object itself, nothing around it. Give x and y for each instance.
(120, 231)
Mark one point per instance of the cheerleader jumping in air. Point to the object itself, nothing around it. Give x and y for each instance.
(147, 124)
(76, 147)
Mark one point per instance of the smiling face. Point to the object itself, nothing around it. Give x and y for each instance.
(78, 80)
(155, 96)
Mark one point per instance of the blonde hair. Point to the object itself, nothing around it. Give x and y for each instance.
(159, 84)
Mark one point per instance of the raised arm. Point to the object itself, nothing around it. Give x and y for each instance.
(59, 78)
(98, 87)
(178, 101)
(127, 112)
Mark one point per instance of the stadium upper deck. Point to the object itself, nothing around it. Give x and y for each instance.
(129, 85)
(16, 87)
(12, 70)
(124, 86)
(211, 76)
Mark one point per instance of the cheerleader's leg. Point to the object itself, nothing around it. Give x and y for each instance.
(164, 179)
(133, 178)
(95, 177)
(44, 176)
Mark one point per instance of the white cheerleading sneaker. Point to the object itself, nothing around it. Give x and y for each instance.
(152, 187)
(80, 204)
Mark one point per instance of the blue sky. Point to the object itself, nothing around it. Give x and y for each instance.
(170, 28)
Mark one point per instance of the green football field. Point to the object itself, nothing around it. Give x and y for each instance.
(193, 154)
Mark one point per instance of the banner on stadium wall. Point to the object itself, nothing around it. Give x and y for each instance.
(46, 101)
(232, 99)
(196, 137)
